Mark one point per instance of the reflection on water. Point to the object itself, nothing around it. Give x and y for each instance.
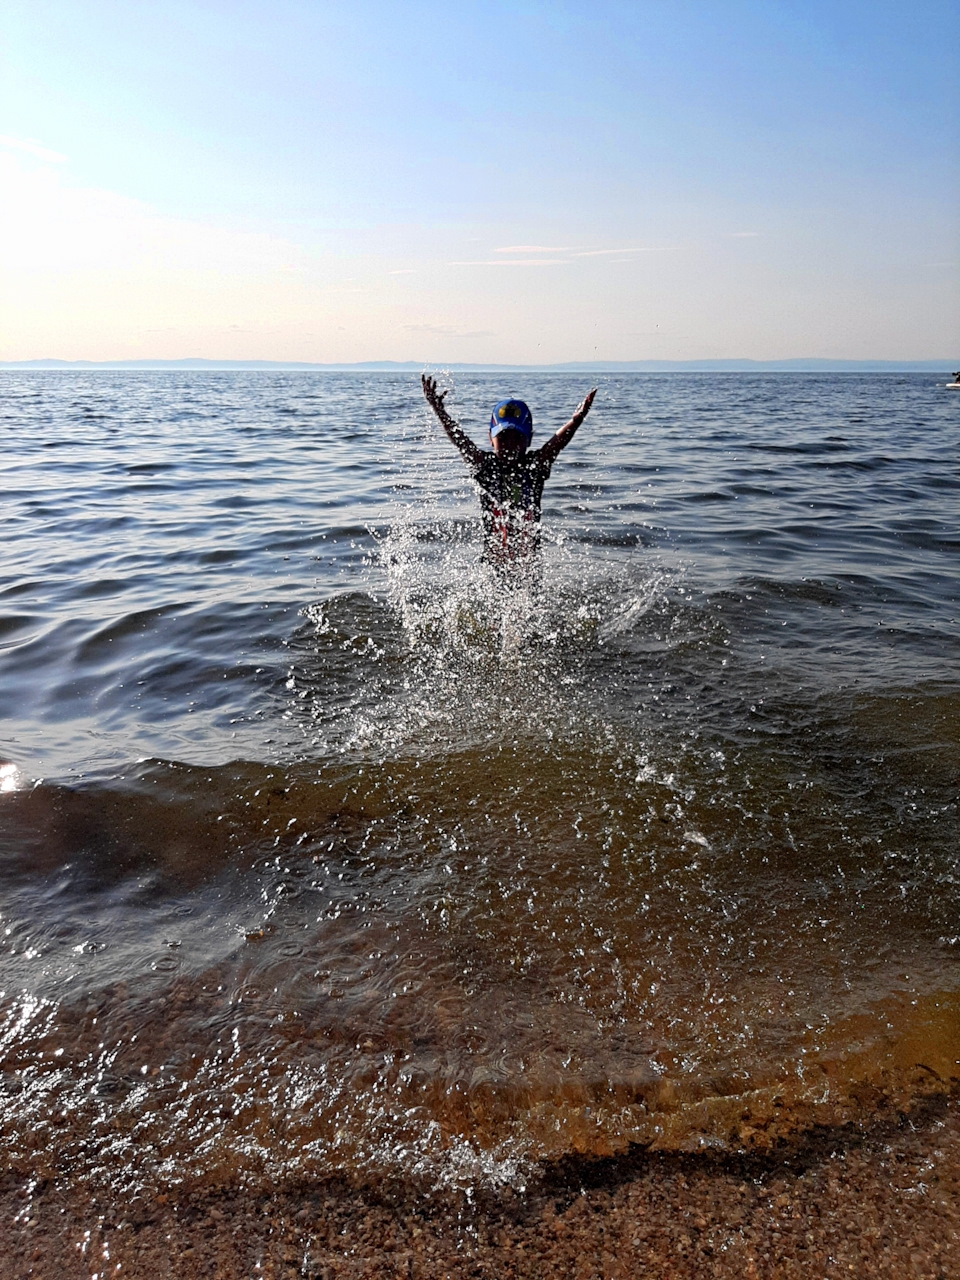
(659, 855)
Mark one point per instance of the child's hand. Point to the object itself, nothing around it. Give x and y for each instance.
(584, 408)
(434, 397)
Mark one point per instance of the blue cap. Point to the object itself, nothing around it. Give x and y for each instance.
(511, 415)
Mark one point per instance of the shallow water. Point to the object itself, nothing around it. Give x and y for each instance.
(317, 853)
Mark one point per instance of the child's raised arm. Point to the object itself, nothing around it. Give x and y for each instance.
(435, 400)
(563, 437)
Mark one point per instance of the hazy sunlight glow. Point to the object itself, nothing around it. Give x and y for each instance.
(320, 185)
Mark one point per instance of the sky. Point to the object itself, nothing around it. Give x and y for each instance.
(479, 181)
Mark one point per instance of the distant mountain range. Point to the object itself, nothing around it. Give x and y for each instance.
(573, 366)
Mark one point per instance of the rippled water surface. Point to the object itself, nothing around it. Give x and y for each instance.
(319, 853)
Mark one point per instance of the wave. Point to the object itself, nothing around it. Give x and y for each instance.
(485, 945)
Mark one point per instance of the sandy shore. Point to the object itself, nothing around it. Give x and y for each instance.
(844, 1203)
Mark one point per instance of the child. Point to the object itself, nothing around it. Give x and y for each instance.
(510, 480)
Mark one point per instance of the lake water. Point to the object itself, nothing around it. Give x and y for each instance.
(318, 853)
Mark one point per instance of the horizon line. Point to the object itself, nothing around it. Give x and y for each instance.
(731, 364)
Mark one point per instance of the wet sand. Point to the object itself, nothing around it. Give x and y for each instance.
(876, 1202)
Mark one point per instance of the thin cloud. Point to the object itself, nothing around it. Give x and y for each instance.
(583, 253)
(598, 253)
(533, 248)
(512, 262)
(404, 271)
(744, 235)
(32, 148)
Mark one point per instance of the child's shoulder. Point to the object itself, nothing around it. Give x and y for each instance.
(541, 459)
